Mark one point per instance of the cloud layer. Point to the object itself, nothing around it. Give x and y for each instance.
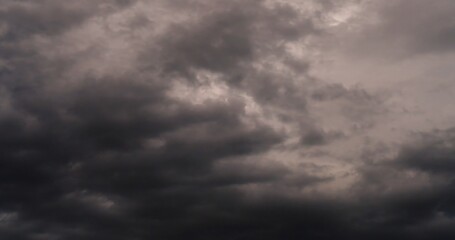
(230, 120)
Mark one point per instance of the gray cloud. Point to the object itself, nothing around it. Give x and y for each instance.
(405, 29)
(433, 152)
(119, 121)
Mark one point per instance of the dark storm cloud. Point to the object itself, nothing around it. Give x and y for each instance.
(412, 193)
(116, 156)
(433, 152)
(231, 37)
(94, 138)
(24, 18)
(21, 20)
(219, 43)
(83, 161)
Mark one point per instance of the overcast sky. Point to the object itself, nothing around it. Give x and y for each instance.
(231, 120)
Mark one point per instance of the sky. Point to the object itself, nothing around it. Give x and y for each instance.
(230, 120)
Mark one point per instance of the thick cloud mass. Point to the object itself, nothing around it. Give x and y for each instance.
(197, 119)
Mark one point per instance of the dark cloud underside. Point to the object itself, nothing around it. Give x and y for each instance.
(203, 120)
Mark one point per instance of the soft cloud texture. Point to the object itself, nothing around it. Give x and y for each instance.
(230, 120)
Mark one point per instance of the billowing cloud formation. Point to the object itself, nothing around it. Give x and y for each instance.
(235, 120)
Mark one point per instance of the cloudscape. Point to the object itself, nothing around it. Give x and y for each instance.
(235, 120)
